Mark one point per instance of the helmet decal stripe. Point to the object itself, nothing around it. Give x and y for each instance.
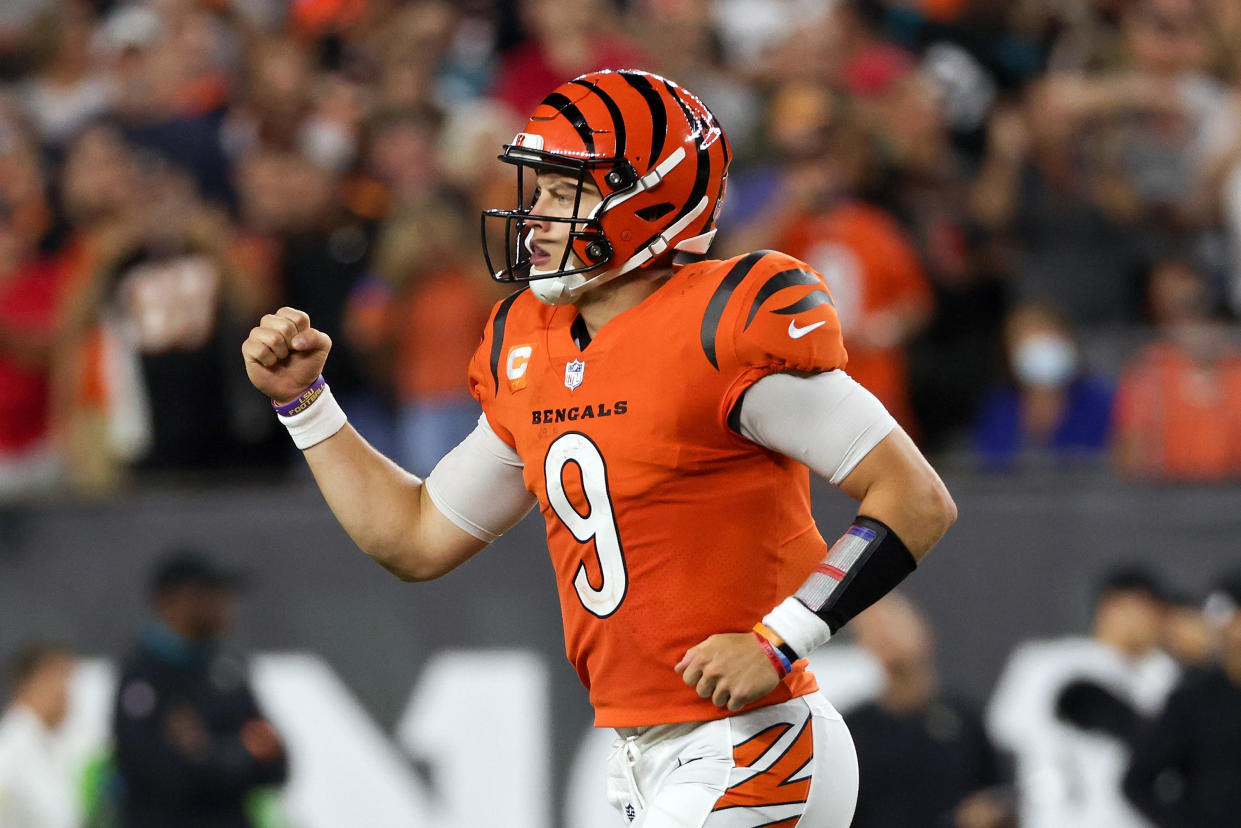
(719, 196)
(497, 334)
(566, 107)
(811, 300)
(703, 177)
(695, 123)
(719, 301)
(782, 280)
(659, 113)
(618, 120)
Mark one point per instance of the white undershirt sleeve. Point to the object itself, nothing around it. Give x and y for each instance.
(827, 421)
(478, 485)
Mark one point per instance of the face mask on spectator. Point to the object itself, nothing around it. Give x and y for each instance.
(1044, 360)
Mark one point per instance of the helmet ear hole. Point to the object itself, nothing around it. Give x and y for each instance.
(598, 250)
(620, 177)
(655, 212)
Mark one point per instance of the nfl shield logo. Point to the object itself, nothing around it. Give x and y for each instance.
(573, 373)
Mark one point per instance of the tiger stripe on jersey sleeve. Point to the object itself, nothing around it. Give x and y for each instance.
(781, 318)
(484, 372)
(769, 313)
(498, 322)
(713, 317)
(785, 279)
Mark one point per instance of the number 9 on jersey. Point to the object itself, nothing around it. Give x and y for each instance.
(598, 524)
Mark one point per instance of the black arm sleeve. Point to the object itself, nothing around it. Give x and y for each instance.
(866, 563)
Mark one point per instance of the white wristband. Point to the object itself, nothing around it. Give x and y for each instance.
(319, 421)
(800, 628)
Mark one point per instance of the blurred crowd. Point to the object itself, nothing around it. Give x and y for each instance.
(1028, 212)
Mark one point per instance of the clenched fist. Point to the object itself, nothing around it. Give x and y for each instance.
(730, 669)
(284, 355)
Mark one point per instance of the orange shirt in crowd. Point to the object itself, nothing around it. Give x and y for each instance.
(1178, 418)
(875, 274)
(436, 329)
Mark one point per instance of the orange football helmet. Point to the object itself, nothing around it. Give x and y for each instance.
(655, 152)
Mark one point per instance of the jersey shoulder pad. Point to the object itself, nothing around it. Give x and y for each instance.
(770, 310)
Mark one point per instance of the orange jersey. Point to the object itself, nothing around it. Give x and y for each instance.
(664, 525)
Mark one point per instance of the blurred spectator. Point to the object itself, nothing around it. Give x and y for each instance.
(1186, 765)
(685, 43)
(1121, 162)
(37, 785)
(974, 51)
(324, 268)
(1066, 708)
(914, 740)
(162, 287)
(810, 210)
(170, 89)
(879, 288)
(921, 175)
(1052, 407)
(269, 108)
(759, 34)
(1178, 409)
(31, 286)
(563, 41)
(66, 88)
(1186, 631)
(97, 191)
(192, 747)
(432, 53)
(431, 305)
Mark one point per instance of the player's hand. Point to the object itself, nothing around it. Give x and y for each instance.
(731, 669)
(284, 355)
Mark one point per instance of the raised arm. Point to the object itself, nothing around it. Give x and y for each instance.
(387, 511)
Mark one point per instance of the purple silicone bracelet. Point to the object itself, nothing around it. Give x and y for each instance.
(303, 400)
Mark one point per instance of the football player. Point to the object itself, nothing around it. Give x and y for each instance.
(662, 410)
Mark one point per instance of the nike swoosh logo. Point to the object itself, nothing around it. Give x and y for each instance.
(797, 333)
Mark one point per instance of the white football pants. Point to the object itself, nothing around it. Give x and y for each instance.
(788, 764)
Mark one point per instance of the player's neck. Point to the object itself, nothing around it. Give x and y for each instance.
(608, 301)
